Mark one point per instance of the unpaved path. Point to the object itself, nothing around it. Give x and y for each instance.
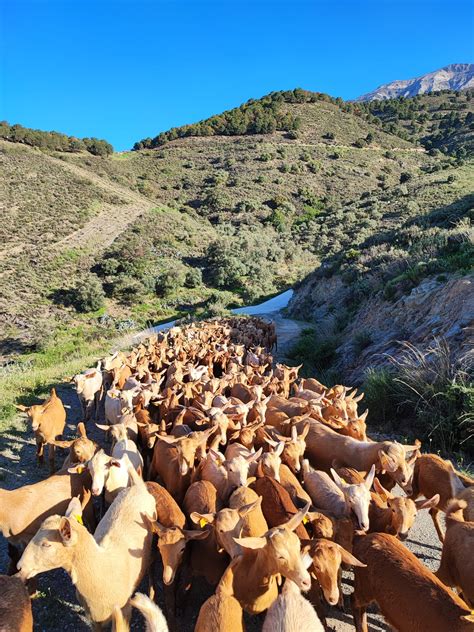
(57, 610)
(102, 230)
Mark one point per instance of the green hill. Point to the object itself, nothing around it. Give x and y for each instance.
(204, 220)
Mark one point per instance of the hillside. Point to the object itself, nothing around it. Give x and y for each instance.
(113, 241)
(453, 77)
(441, 121)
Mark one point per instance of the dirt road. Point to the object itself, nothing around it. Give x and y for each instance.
(56, 608)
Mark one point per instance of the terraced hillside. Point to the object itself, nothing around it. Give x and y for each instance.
(200, 222)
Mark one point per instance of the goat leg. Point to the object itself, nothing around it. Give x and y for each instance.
(51, 450)
(360, 615)
(434, 511)
(39, 450)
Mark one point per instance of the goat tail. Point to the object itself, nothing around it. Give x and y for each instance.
(454, 510)
(155, 620)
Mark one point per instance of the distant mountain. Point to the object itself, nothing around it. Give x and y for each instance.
(452, 77)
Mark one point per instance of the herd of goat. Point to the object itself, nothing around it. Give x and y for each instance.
(221, 465)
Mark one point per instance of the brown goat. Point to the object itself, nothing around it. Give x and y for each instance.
(277, 506)
(433, 475)
(411, 597)
(47, 421)
(15, 606)
(457, 560)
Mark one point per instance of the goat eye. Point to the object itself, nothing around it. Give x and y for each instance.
(45, 544)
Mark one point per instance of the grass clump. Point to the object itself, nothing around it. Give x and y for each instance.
(426, 392)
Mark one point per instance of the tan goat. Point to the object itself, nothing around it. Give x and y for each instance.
(47, 422)
(254, 573)
(221, 612)
(107, 567)
(23, 510)
(325, 448)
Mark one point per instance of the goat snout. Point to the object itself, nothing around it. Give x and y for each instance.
(95, 491)
(403, 536)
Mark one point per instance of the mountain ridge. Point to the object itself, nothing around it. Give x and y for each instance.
(451, 77)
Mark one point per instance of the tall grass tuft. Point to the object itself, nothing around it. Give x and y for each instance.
(430, 391)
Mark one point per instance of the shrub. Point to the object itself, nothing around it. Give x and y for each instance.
(88, 296)
(170, 280)
(361, 341)
(193, 278)
(127, 289)
(318, 355)
(405, 176)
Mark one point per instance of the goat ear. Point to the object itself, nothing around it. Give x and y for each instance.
(381, 491)
(196, 535)
(167, 438)
(304, 432)
(254, 457)
(386, 462)
(358, 398)
(338, 480)
(427, 504)
(251, 543)
(280, 447)
(202, 519)
(296, 520)
(246, 509)
(77, 469)
(81, 430)
(363, 417)
(21, 407)
(370, 477)
(74, 508)
(103, 427)
(294, 433)
(66, 532)
(348, 558)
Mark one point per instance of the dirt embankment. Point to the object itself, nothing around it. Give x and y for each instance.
(435, 308)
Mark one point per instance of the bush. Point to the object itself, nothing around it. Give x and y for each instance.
(128, 290)
(361, 341)
(170, 280)
(88, 296)
(318, 355)
(405, 176)
(193, 278)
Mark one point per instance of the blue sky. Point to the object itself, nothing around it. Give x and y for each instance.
(124, 70)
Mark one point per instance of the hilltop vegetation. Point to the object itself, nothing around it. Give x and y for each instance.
(53, 141)
(207, 220)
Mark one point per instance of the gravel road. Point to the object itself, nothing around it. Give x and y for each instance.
(56, 608)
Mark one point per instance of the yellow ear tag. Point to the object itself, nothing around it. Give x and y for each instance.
(305, 520)
(202, 522)
(78, 518)
(80, 469)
